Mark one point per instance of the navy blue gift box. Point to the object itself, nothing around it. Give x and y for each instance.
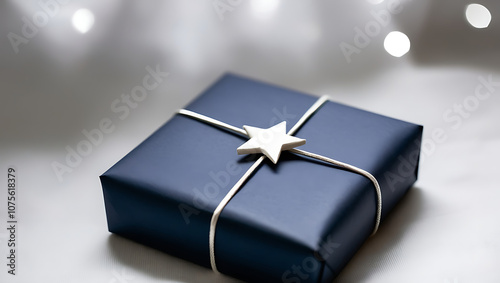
(299, 220)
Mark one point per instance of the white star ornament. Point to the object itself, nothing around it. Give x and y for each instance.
(271, 141)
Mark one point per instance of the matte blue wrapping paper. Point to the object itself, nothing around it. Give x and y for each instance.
(300, 220)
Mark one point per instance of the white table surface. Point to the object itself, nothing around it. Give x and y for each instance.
(61, 82)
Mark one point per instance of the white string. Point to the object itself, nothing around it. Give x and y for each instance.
(352, 169)
(222, 204)
(248, 173)
(212, 121)
(308, 114)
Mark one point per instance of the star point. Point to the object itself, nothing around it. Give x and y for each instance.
(271, 141)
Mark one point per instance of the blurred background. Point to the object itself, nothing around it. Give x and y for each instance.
(70, 68)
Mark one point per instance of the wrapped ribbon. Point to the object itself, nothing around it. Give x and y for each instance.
(270, 142)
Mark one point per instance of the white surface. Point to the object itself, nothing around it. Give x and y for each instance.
(62, 82)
